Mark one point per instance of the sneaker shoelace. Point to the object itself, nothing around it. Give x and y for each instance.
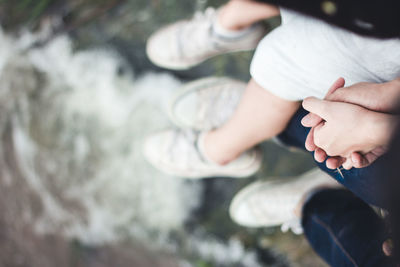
(183, 148)
(194, 34)
(216, 106)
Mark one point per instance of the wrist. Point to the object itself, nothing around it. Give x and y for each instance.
(391, 90)
(383, 128)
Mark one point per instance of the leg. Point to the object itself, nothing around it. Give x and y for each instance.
(259, 116)
(240, 14)
(344, 230)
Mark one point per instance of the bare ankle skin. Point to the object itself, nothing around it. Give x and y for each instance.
(240, 14)
(216, 151)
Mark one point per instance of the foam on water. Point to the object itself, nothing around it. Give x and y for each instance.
(78, 122)
(79, 143)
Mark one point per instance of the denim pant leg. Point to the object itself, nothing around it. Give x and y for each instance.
(367, 183)
(344, 230)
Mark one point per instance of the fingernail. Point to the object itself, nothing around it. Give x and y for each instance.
(354, 159)
(305, 120)
(387, 247)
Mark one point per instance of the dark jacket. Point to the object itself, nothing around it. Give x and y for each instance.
(379, 18)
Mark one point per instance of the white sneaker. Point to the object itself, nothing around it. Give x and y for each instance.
(206, 103)
(178, 153)
(186, 43)
(272, 203)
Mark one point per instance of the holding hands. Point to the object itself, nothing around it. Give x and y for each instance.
(352, 125)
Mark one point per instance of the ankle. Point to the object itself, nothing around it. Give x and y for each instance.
(227, 18)
(228, 24)
(214, 151)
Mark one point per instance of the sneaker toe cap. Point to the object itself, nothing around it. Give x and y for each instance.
(162, 45)
(151, 147)
(242, 214)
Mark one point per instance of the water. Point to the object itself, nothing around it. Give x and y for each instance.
(77, 120)
(80, 131)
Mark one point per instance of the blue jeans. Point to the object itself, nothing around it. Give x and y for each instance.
(344, 230)
(367, 183)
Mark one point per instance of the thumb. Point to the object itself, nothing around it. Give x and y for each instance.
(319, 107)
(310, 120)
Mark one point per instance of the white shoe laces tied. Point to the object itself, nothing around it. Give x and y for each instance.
(216, 107)
(205, 15)
(183, 149)
(195, 34)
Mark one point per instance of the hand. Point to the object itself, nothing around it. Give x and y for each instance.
(383, 97)
(355, 159)
(312, 120)
(380, 97)
(370, 132)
